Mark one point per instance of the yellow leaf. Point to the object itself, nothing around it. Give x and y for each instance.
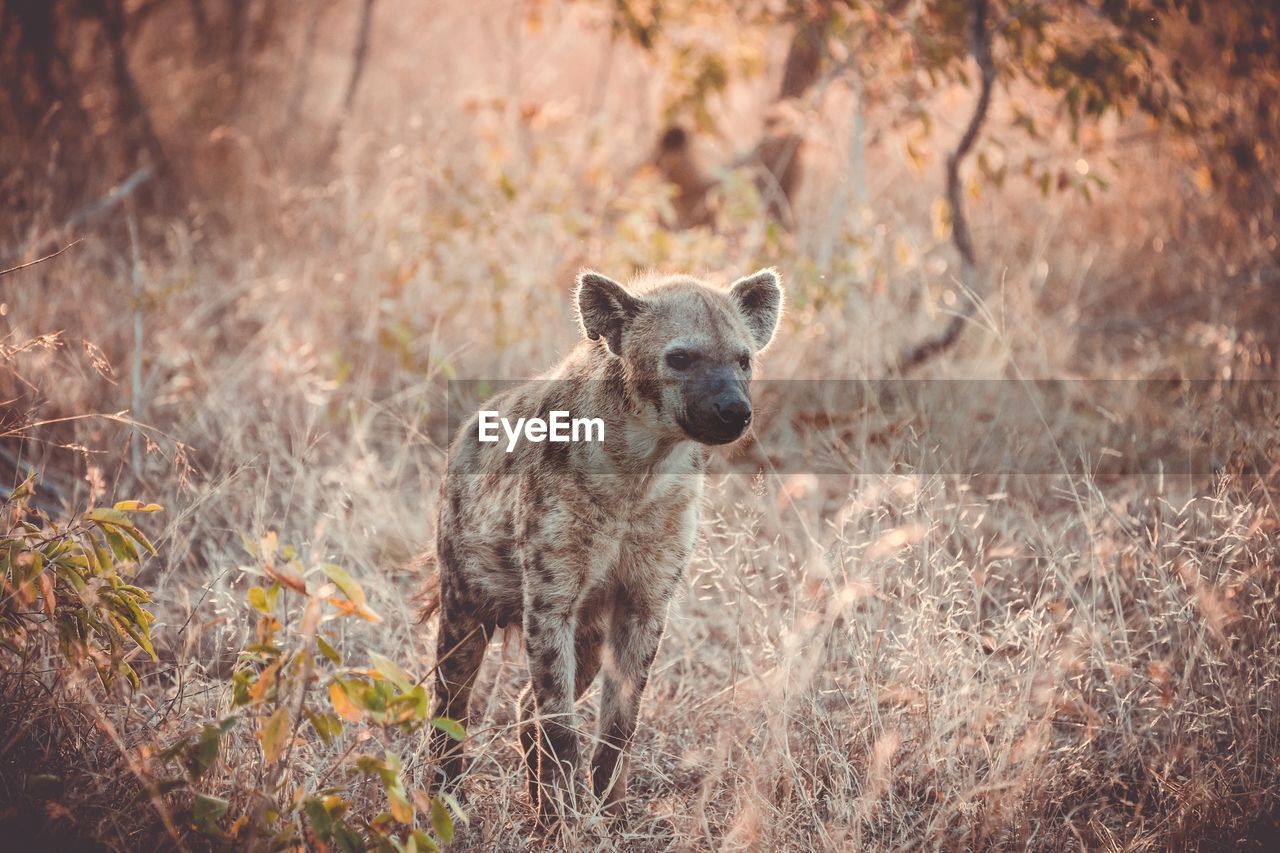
(274, 735)
(401, 810)
(258, 599)
(138, 506)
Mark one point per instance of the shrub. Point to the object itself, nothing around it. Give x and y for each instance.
(292, 688)
(66, 588)
(68, 603)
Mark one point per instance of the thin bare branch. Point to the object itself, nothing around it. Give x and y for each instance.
(41, 260)
(980, 47)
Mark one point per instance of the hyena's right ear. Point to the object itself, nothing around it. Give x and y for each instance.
(604, 309)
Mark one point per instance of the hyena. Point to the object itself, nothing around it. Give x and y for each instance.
(582, 545)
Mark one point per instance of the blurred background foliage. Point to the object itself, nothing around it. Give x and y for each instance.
(197, 109)
(77, 107)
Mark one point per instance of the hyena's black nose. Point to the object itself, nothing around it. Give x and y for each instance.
(734, 413)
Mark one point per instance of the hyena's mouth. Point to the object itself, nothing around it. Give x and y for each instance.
(714, 430)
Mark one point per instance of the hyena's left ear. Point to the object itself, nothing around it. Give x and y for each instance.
(605, 308)
(758, 298)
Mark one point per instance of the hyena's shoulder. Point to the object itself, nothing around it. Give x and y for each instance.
(484, 481)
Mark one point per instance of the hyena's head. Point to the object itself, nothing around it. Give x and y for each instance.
(688, 348)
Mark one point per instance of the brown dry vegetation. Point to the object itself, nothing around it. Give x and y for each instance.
(870, 662)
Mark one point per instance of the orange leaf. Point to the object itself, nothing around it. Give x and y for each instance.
(286, 578)
(46, 592)
(357, 609)
(342, 703)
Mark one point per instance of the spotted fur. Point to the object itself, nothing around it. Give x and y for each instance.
(582, 545)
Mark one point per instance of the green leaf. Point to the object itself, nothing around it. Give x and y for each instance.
(376, 696)
(328, 650)
(321, 820)
(141, 618)
(120, 546)
(206, 811)
(349, 841)
(441, 821)
(138, 634)
(421, 704)
(344, 582)
(370, 765)
(205, 752)
(459, 814)
(141, 539)
(389, 670)
(25, 489)
(202, 755)
(450, 727)
(424, 841)
(327, 725)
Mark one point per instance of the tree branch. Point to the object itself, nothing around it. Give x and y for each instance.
(980, 47)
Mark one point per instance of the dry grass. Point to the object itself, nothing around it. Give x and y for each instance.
(876, 661)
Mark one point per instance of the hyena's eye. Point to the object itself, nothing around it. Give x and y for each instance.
(679, 360)
(744, 361)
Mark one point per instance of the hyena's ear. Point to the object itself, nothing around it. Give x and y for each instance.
(605, 308)
(758, 298)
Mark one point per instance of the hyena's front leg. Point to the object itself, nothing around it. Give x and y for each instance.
(631, 645)
(549, 628)
(588, 636)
